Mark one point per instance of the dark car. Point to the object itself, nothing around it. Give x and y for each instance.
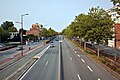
(19, 48)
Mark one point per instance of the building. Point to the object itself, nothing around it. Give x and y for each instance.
(35, 30)
(13, 34)
(115, 42)
(112, 11)
(117, 36)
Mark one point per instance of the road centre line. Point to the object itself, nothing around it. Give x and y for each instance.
(78, 76)
(89, 68)
(82, 60)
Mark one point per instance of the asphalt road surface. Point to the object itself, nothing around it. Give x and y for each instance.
(11, 52)
(46, 67)
(75, 65)
(4, 73)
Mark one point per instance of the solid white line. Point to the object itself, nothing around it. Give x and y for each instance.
(34, 63)
(28, 70)
(78, 76)
(89, 68)
(78, 55)
(46, 63)
(70, 58)
(83, 60)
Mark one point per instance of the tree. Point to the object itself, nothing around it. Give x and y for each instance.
(115, 2)
(102, 29)
(44, 33)
(97, 26)
(8, 26)
(51, 32)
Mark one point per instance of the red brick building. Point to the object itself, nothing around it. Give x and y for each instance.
(35, 30)
(117, 36)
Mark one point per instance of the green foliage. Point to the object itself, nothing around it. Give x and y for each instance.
(94, 26)
(31, 36)
(5, 28)
(115, 1)
(51, 32)
(8, 26)
(102, 29)
(45, 32)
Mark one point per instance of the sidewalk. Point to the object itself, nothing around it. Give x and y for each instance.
(17, 55)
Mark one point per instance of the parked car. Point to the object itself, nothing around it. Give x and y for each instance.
(19, 48)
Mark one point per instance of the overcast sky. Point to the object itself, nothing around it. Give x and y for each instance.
(56, 14)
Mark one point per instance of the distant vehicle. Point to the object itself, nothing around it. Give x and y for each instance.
(57, 39)
(51, 45)
(19, 48)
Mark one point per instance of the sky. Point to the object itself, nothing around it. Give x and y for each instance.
(57, 14)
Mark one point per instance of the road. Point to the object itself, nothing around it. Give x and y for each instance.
(75, 65)
(4, 73)
(11, 52)
(46, 67)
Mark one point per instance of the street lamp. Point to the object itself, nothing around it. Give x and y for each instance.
(21, 32)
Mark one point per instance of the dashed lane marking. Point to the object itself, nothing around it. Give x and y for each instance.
(46, 63)
(82, 60)
(78, 76)
(70, 58)
(75, 51)
(89, 68)
(99, 79)
(78, 55)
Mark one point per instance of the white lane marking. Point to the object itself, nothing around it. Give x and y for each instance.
(75, 51)
(70, 58)
(83, 60)
(28, 70)
(46, 63)
(78, 76)
(51, 53)
(34, 63)
(99, 79)
(89, 68)
(78, 55)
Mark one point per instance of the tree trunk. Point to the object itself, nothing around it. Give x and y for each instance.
(98, 53)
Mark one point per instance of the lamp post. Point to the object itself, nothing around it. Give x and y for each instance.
(21, 32)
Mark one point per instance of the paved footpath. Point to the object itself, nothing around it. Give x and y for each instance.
(18, 55)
